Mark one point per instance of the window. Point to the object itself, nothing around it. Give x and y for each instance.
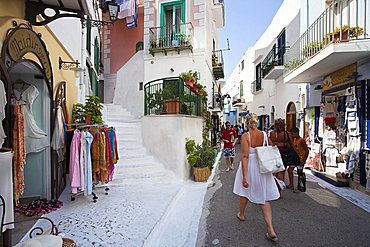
(281, 47)
(139, 46)
(242, 65)
(88, 35)
(241, 89)
(258, 77)
(172, 18)
(96, 55)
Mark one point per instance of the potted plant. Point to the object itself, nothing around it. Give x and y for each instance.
(189, 78)
(201, 158)
(161, 42)
(155, 101)
(78, 113)
(153, 43)
(170, 97)
(93, 108)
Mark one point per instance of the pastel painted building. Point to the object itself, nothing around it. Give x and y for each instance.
(171, 37)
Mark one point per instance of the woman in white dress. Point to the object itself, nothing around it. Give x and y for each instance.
(250, 184)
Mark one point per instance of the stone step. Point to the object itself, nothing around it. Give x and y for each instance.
(123, 125)
(127, 152)
(132, 161)
(118, 182)
(115, 121)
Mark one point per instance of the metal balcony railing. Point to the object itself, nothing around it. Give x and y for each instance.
(274, 58)
(173, 36)
(256, 86)
(218, 64)
(170, 96)
(342, 21)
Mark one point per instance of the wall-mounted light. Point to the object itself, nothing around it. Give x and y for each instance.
(74, 66)
(113, 10)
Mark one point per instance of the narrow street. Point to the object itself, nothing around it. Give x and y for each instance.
(315, 218)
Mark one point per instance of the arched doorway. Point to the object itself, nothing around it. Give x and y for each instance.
(291, 116)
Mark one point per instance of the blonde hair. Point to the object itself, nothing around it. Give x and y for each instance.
(252, 120)
(279, 125)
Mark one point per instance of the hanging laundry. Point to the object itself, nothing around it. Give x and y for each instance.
(58, 140)
(19, 158)
(2, 112)
(35, 138)
(128, 10)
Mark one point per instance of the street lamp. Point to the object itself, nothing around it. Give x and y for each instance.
(113, 9)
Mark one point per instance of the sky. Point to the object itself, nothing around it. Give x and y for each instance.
(245, 22)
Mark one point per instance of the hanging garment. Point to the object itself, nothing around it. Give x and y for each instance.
(89, 181)
(331, 155)
(74, 163)
(6, 187)
(115, 149)
(109, 157)
(35, 138)
(19, 159)
(2, 112)
(103, 158)
(131, 21)
(58, 141)
(83, 160)
(95, 154)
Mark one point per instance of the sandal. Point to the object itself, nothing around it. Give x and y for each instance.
(272, 238)
(238, 216)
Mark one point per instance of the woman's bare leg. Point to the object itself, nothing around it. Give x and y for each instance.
(267, 214)
(242, 203)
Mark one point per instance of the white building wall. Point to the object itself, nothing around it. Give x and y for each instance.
(75, 44)
(161, 141)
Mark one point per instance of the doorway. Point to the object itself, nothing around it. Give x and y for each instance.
(291, 116)
(28, 87)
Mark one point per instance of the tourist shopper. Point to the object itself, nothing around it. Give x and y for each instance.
(229, 137)
(250, 184)
(302, 150)
(279, 138)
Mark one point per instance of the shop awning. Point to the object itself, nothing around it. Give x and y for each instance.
(62, 8)
(243, 114)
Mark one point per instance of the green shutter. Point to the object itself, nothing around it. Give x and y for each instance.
(88, 35)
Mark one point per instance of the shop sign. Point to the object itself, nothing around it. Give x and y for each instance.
(23, 41)
(339, 78)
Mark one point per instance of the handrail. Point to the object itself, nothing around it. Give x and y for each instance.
(160, 93)
(178, 35)
(275, 57)
(338, 23)
(256, 85)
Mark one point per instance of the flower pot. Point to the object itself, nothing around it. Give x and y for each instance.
(172, 106)
(201, 174)
(344, 37)
(190, 82)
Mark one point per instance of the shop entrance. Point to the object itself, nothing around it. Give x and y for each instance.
(291, 116)
(29, 89)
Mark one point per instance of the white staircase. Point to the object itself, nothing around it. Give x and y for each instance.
(134, 165)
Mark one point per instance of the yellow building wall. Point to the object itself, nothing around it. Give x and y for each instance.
(56, 50)
(13, 8)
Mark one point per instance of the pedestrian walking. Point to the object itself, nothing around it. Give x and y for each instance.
(250, 184)
(279, 138)
(240, 132)
(302, 150)
(229, 137)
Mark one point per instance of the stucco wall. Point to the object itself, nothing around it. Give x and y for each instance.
(164, 137)
(127, 91)
(14, 8)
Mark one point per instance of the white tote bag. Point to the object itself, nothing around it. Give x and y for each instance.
(269, 158)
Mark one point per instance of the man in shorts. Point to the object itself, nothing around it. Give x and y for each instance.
(229, 137)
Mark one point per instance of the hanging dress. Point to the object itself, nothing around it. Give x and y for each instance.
(58, 140)
(262, 187)
(35, 138)
(19, 157)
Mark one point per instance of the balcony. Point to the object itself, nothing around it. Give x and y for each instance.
(337, 38)
(171, 38)
(218, 65)
(256, 86)
(170, 96)
(272, 66)
(219, 13)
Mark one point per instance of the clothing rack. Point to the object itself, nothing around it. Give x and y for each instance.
(83, 126)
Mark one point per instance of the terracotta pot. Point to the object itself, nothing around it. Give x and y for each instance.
(190, 82)
(201, 174)
(172, 106)
(344, 37)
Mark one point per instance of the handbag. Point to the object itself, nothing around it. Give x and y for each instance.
(301, 181)
(269, 158)
(289, 155)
